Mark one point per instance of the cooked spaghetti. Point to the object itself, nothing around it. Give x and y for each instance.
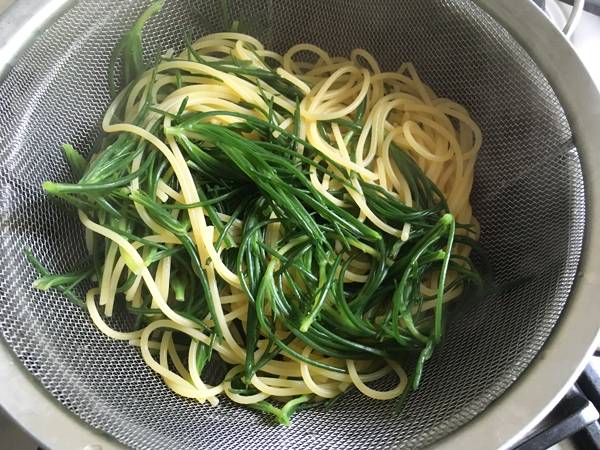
(299, 218)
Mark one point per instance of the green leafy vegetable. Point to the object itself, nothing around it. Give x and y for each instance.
(251, 178)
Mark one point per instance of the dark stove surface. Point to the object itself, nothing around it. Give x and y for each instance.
(575, 417)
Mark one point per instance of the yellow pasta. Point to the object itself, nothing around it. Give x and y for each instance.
(398, 113)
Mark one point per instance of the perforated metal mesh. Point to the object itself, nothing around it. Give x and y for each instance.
(528, 197)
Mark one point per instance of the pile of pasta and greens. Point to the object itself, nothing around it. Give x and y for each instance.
(300, 219)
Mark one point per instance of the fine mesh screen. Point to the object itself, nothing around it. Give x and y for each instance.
(528, 196)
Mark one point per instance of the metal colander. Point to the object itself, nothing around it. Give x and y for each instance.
(529, 197)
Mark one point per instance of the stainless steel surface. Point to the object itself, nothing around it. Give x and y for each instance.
(45, 419)
(575, 337)
(21, 22)
(585, 38)
(528, 168)
(4, 4)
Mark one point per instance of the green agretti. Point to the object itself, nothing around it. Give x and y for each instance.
(258, 182)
